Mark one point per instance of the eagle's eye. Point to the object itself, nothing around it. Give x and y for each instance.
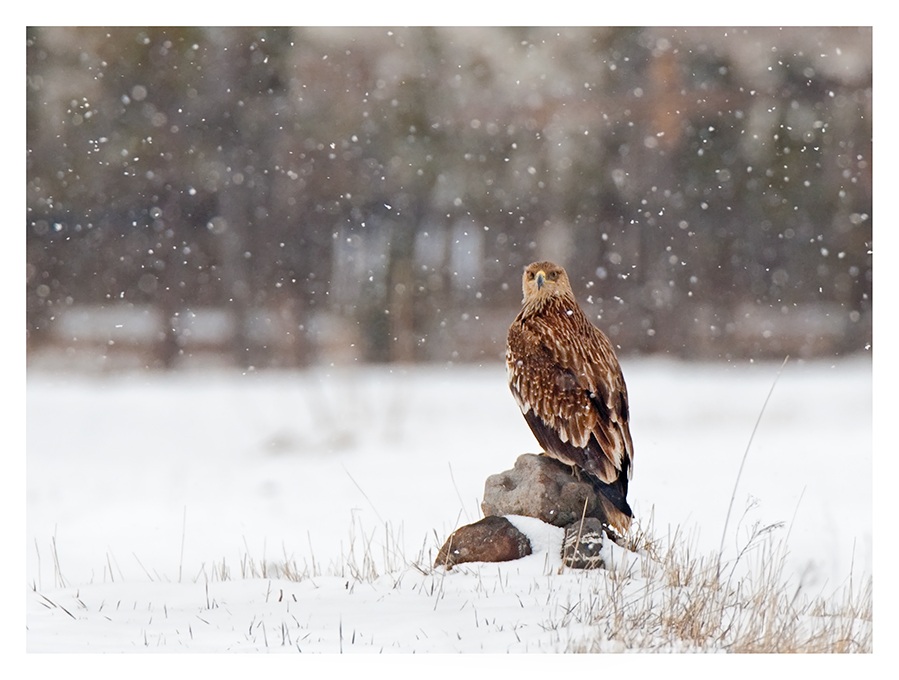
(531, 276)
(552, 276)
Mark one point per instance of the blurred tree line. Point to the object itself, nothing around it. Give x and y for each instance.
(379, 190)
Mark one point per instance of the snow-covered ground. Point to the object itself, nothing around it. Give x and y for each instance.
(162, 508)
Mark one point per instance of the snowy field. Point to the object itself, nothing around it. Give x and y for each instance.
(301, 511)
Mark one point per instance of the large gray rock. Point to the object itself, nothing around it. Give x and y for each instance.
(542, 487)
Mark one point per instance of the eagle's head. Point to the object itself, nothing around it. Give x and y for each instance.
(544, 280)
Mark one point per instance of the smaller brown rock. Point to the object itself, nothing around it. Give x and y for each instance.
(492, 539)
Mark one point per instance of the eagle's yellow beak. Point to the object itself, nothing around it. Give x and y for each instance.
(541, 279)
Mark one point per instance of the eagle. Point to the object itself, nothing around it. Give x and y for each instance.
(566, 379)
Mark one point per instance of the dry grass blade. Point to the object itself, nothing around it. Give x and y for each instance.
(745, 455)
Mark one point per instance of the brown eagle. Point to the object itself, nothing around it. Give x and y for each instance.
(565, 376)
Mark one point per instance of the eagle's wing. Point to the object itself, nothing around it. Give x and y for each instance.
(568, 384)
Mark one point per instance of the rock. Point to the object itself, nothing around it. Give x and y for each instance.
(582, 545)
(542, 487)
(492, 539)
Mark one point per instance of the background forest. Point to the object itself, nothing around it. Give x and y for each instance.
(289, 196)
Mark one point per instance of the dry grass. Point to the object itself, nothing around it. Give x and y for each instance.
(677, 600)
(668, 599)
(661, 596)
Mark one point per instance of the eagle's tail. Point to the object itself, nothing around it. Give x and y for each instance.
(616, 519)
(617, 514)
